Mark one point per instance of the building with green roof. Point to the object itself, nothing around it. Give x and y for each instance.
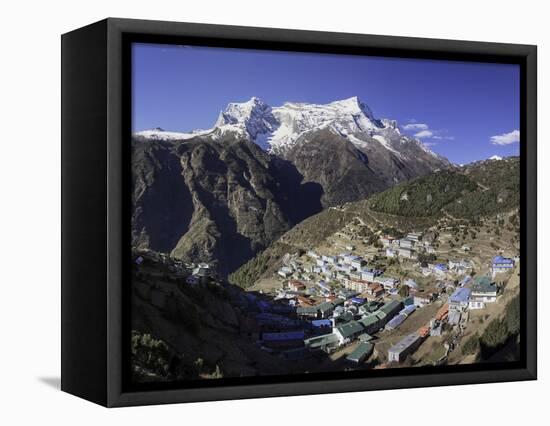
(361, 353)
(483, 291)
(370, 324)
(326, 342)
(348, 332)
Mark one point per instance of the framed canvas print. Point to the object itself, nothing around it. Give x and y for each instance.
(253, 212)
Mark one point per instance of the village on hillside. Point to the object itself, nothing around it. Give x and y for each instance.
(392, 302)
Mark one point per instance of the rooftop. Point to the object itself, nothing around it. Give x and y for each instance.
(350, 328)
(405, 343)
(502, 260)
(483, 284)
(362, 350)
(461, 295)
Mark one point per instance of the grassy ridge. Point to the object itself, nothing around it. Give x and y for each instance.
(481, 189)
(425, 196)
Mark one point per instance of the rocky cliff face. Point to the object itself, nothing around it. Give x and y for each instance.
(203, 200)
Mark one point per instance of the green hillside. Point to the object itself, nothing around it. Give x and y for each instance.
(474, 191)
(498, 189)
(425, 196)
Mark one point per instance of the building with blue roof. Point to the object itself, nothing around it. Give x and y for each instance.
(502, 264)
(459, 299)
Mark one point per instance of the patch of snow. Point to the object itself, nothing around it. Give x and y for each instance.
(160, 134)
(385, 143)
(495, 158)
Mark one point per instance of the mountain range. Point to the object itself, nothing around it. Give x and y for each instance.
(259, 171)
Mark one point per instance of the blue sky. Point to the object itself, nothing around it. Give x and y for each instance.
(464, 111)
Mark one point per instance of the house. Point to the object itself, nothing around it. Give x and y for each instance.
(387, 282)
(407, 253)
(342, 276)
(368, 275)
(454, 317)
(391, 308)
(395, 322)
(406, 244)
(329, 259)
(404, 347)
(285, 271)
(369, 307)
(483, 291)
(454, 264)
(375, 290)
(459, 299)
(348, 258)
(407, 310)
(325, 309)
(414, 236)
(421, 300)
(357, 263)
(386, 241)
(502, 264)
(370, 324)
(343, 318)
(348, 332)
(390, 252)
(296, 285)
(440, 269)
(304, 301)
(355, 275)
(357, 285)
(322, 310)
(361, 353)
(307, 311)
(202, 270)
(326, 342)
(321, 324)
(411, 283)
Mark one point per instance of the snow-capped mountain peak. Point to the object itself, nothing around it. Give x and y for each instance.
(253, 117)
(277, 129)
(495, 157)
(240, 112)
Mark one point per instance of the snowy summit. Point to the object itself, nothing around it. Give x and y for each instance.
(277, 129)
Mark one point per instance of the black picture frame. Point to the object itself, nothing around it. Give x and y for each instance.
(95, 204)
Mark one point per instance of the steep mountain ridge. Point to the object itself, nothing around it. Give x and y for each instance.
(260, 171)
(197, 198)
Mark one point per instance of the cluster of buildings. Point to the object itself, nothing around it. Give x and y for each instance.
(408, 247)
(349, 328)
